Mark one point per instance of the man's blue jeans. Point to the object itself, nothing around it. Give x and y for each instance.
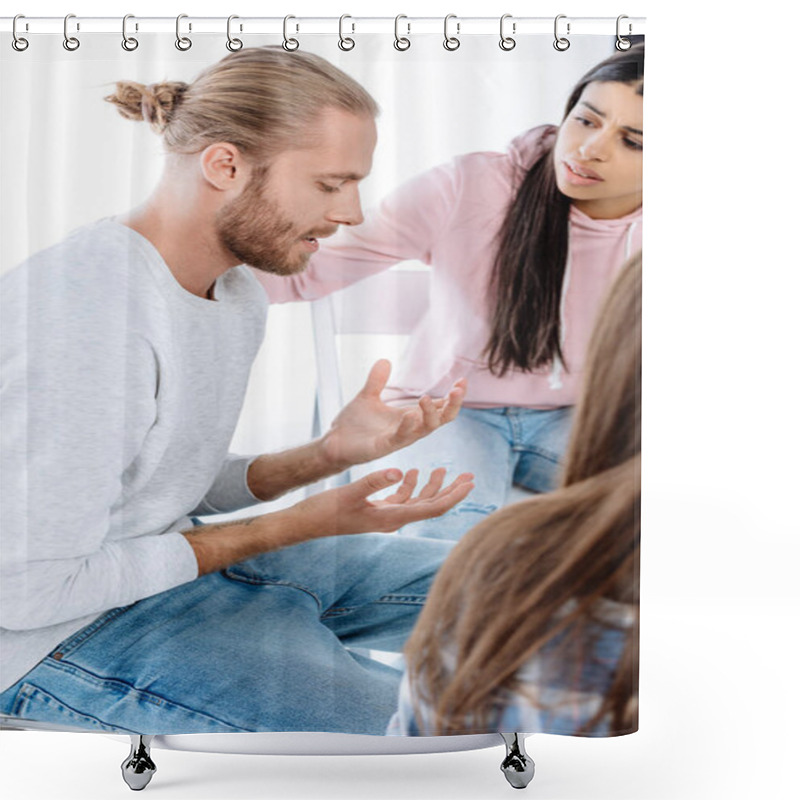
(500, 446)
(262, 646)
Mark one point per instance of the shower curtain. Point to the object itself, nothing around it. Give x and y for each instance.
(127, 390)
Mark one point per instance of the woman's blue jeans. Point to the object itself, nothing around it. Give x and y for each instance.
(272, 644)
(502, 447)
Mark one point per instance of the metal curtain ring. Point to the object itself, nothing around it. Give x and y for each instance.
(70, 42)
(622, 43)
(128, 42)
(401, 42)
(451, 42)
(233, 44)
(18, 42)
(345, 42)
(289, 44)
(182, 42)
(506, 42)
(561, 43)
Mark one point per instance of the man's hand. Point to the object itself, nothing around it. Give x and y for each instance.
(335, 512)
(347, 509)
(366, 428)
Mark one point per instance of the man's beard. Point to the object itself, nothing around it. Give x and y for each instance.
(255, 230)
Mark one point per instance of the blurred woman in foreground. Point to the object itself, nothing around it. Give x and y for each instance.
(532, 622)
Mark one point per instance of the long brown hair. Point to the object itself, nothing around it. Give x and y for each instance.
(540, 570)
(532, 244)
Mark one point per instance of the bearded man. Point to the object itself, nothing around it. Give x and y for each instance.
(126, 351)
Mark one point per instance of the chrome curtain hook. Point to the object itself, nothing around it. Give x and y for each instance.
(18, 42)
(128, 42)
(401, 42)
(345, 42)
(182, 42)
(507, 42)
(289, 44)
(561, 43)
(70, 42)
(233, 44)
(622, 43)
(451, 42)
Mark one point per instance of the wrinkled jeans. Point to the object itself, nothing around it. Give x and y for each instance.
(502, 447)
(276, 643)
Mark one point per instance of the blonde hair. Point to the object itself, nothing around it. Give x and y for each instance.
(542, 569)
(261, 99)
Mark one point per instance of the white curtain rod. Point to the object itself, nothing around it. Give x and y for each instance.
(297, 25)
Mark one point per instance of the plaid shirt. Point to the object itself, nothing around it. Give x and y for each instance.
(568, 690)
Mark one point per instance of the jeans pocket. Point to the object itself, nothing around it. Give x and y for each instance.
(36, 704)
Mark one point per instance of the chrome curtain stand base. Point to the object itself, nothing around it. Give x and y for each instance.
(138, 768)
(518, 766)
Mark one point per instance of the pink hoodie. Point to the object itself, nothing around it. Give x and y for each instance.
(448, 217)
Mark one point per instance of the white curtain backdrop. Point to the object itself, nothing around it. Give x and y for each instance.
(721, 519)
(68, 158)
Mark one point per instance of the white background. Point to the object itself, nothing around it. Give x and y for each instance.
(719, 693)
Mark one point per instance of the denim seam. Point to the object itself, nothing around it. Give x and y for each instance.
(338, 611)
(124, 688)
(252, 581)
(395, 599)
(28, 691)
(405, 599)
(537, 452)
(74, 642)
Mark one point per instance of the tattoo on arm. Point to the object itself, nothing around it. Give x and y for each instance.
(200, 529)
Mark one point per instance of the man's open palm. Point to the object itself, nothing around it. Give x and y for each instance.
(367, 428)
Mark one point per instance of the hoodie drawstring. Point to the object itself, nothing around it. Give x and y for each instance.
(557, 370)
(554, 380)
(629, 239)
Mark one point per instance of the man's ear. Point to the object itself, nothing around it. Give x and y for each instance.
(223, 166)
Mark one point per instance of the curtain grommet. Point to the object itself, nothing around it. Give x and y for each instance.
(129, 43)
(233, 44)
(182, 43)
(290, 44)
(401, 43)
(507, 43)
(561, 43)
(346, 43)
(71, 43)
(19, 43)
(622, 44)
(451, 43)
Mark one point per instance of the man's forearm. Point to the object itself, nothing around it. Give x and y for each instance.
(273, 474)
(335, 512)
(218, 546)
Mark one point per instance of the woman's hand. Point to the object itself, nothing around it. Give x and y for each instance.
(366, 428)
(347, 509)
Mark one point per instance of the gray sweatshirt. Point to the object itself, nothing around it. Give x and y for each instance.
(119, 395)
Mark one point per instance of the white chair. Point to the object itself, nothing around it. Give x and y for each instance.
(353, 327)
(389, 304)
